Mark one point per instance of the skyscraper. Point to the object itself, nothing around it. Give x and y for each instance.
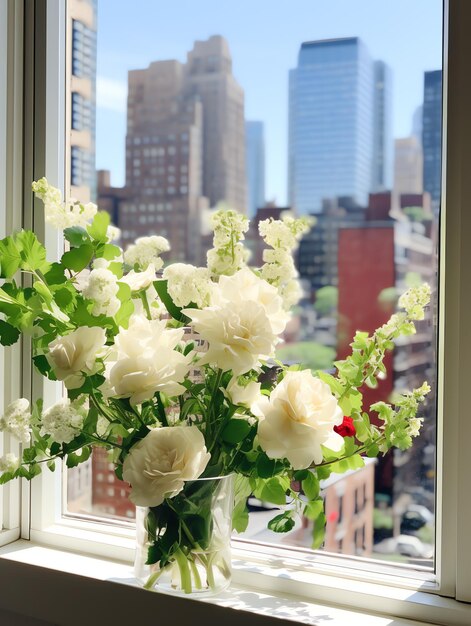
(208, 76)
(383, 147)
(255, 166)
(339, 124)
(82, 24)
(408, 166)
(432, 134)
(185, 147)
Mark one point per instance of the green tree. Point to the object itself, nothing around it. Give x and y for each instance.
(326, 300)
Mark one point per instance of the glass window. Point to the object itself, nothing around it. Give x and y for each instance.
(362, 147)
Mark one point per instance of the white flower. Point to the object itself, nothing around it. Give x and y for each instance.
(415, 425)
(220, 262)
(113, 233)
(155, 306)
(16, 420)
(291, 293)
(75, 353)
(158, 466)
(145, 361)
(139, 280)
(298, 419)
(9, 463)
(63, 421)
(102, 425)
(146, 250)
(188, 284)
(61, 214)
(102, 287)
(246, 287)
(239, 335)
(414, 300)
(244, 395)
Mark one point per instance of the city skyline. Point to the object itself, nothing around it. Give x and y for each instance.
(261, 70)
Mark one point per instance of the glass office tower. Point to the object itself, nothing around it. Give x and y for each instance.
(333, 106)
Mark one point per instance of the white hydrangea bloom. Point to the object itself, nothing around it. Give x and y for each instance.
(187, 283)
(9, 463)
(146, 250)
(17, 419)
(62, 214)
(102, 287)
(220, 262)
(63, 421)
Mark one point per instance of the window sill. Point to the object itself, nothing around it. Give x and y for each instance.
(66, 588)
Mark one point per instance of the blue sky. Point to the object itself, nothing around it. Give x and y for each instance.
(264, 38)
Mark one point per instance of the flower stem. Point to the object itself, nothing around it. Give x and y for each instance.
(185, 575)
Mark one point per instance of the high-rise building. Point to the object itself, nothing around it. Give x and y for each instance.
(208, 76)
(339, 112)
(432, 134)
(185, 148)
(417, 123)
(164, 160)
(82, 28)
(408, 166)
(383, 146)
(255, 166)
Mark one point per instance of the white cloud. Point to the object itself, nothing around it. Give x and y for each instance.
(111, 94)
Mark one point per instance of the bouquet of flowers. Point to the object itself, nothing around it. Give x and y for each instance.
(174, 373)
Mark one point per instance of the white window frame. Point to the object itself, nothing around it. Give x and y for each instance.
(11, 155)
(324, 579)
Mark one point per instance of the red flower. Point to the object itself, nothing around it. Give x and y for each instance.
(346, 428)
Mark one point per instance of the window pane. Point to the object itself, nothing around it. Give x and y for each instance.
(332, 109)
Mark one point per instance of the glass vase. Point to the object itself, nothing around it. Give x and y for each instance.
(184, 544)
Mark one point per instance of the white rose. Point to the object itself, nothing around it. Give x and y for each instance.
(239, 335)
(139, 280)
(145, 361)
(246, 395)
(75, 353)
(246, 287)
(158, 466)
(298, 419)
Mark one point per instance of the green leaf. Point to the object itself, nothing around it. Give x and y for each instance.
(78, 258)
(108, 251)
(240, 517)
(310, 486)
(266, 468)
(335, 385)
(318, 531)
(29, 454)
(10, 258)
(97, 229)
(271, 490)
(8, 334)
(55, 275)
(173, 310)
(51, 466)
(313, 509)
(76, 236)
(235, 430)
(42, 365)
(33, 253)
(282, 523)
(75, 458)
